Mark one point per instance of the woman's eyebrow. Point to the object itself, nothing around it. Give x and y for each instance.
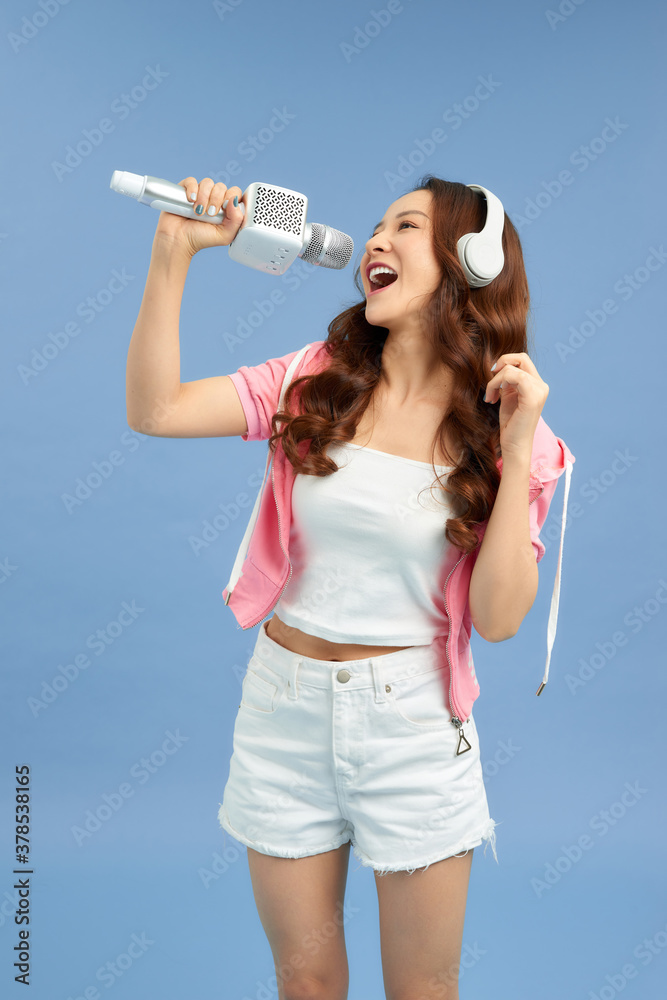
(414, 211)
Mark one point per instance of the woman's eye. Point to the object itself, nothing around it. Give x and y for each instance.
(411, 224)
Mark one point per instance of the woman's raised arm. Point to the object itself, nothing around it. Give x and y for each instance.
(158, 403)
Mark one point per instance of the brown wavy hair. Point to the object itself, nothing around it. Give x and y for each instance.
(469, 328)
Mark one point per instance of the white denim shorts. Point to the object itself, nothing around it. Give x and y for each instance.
(327, 751)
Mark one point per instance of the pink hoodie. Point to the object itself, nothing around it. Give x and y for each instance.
(266, 569)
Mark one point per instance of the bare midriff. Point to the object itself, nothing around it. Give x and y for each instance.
(320, 649)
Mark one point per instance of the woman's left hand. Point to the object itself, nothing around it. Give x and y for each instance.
(522, 394)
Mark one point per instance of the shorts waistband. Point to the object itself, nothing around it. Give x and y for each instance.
(372, 671)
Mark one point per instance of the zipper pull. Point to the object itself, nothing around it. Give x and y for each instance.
(459, 725)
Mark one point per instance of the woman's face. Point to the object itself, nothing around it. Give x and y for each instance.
(402, 241)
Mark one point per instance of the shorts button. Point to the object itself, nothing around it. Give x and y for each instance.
(343, 676)
(387, 688)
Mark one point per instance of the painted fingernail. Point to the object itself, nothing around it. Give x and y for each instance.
(192, 195)
(493, 366)
(236, 201)
(199, 209)
(211, 210)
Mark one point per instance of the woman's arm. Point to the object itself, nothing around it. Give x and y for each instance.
(153, 376)
(157, 401)
(504, 580)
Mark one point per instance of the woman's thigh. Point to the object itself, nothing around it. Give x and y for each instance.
(300, 904)
(421, 928)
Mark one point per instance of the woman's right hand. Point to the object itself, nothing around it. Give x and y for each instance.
(195, 235)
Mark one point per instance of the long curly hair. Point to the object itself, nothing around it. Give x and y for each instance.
(469, 328)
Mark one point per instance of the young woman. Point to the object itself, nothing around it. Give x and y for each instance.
(411, 474)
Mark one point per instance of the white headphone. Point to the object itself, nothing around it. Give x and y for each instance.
(481, 254)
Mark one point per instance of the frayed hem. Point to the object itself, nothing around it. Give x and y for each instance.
(273, 852)
(488, 835)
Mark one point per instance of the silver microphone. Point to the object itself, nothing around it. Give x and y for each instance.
(274, 231)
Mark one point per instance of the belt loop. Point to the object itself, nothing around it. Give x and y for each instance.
(378, 681)
(292, 689)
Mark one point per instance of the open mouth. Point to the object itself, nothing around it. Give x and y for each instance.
(381, 279)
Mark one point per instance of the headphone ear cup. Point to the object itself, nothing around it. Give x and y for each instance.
(482, 259)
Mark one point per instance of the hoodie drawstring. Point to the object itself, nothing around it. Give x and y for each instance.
(555, 597)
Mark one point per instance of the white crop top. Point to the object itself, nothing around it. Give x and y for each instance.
(368, 551)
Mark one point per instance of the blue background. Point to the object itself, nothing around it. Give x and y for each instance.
(358, 112)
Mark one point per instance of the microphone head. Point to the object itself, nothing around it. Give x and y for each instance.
(326, 247)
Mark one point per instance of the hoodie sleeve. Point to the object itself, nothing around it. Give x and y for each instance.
(548, 462)
(258, 387)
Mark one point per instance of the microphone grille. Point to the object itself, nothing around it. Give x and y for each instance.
(315, 245)
(327, 247)
(277, 209)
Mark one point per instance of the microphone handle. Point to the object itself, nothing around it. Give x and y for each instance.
(163, 195)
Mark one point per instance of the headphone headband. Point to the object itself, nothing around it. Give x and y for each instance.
(481, 254)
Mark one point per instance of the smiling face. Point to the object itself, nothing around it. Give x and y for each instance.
(401, 242)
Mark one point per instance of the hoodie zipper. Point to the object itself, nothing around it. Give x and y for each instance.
(455, 720)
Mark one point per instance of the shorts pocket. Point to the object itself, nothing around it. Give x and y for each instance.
(262, 687)
(421, 701)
